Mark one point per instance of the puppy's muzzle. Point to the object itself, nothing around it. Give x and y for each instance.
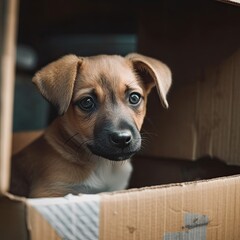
(115, 142)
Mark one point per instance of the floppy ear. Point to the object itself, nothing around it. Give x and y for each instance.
(56, 81)
(152, 72)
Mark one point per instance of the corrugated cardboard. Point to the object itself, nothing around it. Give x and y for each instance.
(7, 86)
(189, 211)
(161, 212)
(203, 118)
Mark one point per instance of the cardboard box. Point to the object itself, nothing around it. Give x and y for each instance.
(210, 123)
(203, 119)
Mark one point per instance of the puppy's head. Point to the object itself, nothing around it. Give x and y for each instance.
(102, 99)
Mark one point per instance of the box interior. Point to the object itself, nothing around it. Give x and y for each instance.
(195, 41)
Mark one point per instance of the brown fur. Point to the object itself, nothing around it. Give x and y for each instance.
(59, 158)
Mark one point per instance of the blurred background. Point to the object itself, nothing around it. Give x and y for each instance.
(187, 35)
(51, 29)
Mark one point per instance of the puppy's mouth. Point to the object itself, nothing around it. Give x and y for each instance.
(113, 154)
(115, 157)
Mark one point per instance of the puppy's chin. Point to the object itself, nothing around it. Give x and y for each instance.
(113, 154)
(115, 157)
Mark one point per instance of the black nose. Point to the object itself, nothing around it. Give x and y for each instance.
(121, 138)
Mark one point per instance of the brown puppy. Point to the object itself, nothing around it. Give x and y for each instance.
(101, 101)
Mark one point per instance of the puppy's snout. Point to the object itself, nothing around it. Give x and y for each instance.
(115, 141)
(121, 138)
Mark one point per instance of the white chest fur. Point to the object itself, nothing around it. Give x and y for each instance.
(107, 176)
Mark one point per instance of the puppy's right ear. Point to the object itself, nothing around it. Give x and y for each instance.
(56, 81)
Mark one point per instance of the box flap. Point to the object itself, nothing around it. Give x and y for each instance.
(198, 210)
(7, 72)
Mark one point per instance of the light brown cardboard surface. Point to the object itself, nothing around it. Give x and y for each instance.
(153, 213)
(203, 118)
(150, 213)
(7, 75)
(38, 227)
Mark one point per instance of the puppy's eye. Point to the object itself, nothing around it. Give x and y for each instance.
(135, 98)
(86, 104)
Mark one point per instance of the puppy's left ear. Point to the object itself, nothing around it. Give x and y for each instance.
(56, 81)
(152, 72)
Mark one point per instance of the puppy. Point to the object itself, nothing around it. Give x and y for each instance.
(101, 102)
